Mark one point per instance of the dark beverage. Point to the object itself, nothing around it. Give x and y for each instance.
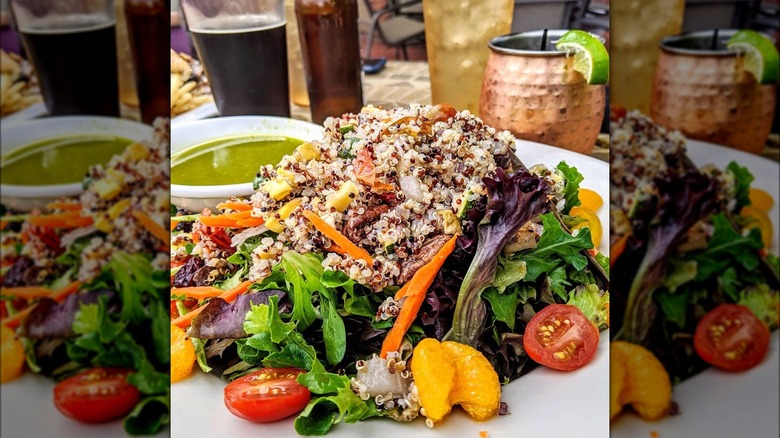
(76, 68)
(331, 56)
(247, 69)
(148, 24)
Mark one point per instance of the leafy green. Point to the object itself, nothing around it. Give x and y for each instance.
(572, 186)
(509, 272)
(742, 180)
(679, 272)
(148, 416)
(555, 247)
(726, 247)
(674, 306)
(336, 402)
(200, 354)
(503, 305)
(303, 279)
(763, 302)
(594, 303)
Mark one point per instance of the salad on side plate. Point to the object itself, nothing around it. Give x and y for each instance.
(695, 283)
(406, 263)
(84, 287)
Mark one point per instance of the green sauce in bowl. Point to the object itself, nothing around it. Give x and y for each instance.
(63, 160)
(233, 160)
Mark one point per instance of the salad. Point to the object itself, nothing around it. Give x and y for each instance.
(695, 285)
(83, 292)
(407, 263)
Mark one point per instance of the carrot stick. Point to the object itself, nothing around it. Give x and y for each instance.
(234, 205)
(59, 296)
(239, 215)
(250, 222)
(416, 290)
(335, 248)
(402, 291)
(61, 205)
(229, 296)
(338, 238)
(199, 292)
(617, 249)
(153, 227)
(218, 221)
(26, 292)
(174, 224)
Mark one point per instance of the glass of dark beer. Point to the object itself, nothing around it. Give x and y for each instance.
(243, 46)
(72, 46)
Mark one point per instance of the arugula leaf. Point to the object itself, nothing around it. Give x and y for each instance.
(303, 279)
(333, 332)
(503, 306)
(742, 180)
(556, 245)
(559, 281)
(727, 246)
(593, 302)
(572, 187)
(337, 402)
(729, 283)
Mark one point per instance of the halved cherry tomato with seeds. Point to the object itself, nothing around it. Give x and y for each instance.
(732, 338)
(97, 395)
(561, 337)
(267, 395)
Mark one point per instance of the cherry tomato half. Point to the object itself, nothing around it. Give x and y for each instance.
(267, 395)
(731, 338)
(97, 395)
(561, 337)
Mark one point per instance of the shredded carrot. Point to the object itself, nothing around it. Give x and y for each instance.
(338, 238)
(229, 296)
(3, 224)
(417, 287)
(617, 249)
(26, 292)
(199, 292)
(153, 227)
(219, 221)
(402, 291)
(61, 205)
(59, 296)
(250, 222)
(483, 434)
(234, 205)
(174, 224)
(335, 248)
(67, 219)
(239, 215)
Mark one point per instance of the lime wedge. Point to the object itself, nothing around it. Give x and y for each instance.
(590, 56)
(761, 58)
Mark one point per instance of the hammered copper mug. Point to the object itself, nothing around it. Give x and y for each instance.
(532, 90)
(702, 89)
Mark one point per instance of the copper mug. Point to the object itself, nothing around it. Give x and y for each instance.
(532, 90)
(702, 89)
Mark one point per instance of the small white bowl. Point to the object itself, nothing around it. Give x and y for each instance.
(23, 133)
(189, 134)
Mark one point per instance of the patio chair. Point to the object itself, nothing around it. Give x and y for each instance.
(393, 29)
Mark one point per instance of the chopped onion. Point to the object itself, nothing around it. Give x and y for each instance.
(379, 380)
(69, 238)
(241, 237)
(411, 188)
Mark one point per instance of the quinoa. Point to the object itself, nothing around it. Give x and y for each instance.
(421, 161)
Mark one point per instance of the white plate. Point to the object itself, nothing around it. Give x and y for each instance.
(204, 111)
(185, 135)
(714, 403)
(33, 111)
(22, 133)
(542, 403)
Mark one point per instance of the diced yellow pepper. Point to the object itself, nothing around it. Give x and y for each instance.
(343, 196)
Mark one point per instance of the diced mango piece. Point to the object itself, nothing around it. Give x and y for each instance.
(104, 224)
(277, 188)
(306, 152)
(451, 222)
(136, 152)
(343, 196)
(118, 208)
(107, 189)
(275, 224)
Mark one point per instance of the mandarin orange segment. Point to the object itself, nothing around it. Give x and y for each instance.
(590, 199)
(477, 389)
(11, 355)
(592, 221)
(617, 376)
(761, 199)
(434, 375)
(182, 354)
(761, 221)
(646, 385)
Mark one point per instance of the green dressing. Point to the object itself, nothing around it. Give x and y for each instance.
(233, 160)
(62, 160)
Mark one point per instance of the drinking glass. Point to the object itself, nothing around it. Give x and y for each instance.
(72, 45)
(243, 46)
